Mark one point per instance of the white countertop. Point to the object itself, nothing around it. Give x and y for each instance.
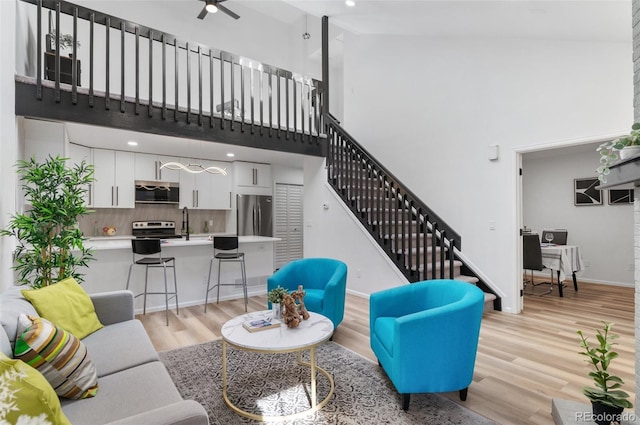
(122, 242)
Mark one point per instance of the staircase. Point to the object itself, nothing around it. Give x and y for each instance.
(419, 242)
(278, 110)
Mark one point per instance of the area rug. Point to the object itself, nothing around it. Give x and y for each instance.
(269, 384)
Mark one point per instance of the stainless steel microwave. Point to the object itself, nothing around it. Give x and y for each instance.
(154, 192)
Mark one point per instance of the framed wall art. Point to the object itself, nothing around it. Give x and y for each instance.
(585, 192)
(620, 196)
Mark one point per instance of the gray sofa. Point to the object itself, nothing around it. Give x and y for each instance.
(133, 385)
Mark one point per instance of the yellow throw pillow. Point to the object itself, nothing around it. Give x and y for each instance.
(26, 395)
(67, 305)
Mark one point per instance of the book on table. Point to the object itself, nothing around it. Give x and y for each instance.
(260, 324)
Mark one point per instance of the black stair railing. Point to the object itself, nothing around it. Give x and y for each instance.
(420, 242)
(128, 62)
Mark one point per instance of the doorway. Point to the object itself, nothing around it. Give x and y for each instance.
(547, 200)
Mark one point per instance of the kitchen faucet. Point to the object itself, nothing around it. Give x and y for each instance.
(185, 227)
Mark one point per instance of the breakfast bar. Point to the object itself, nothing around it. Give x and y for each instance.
(113, 256)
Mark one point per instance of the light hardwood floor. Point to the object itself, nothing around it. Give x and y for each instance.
(523, 360)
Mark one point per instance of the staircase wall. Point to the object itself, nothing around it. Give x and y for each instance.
(431, 107)
(335, 232)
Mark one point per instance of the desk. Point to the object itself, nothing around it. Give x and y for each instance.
(565, 259)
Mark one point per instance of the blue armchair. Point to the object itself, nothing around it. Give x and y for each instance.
(425, 335)
(324, 280)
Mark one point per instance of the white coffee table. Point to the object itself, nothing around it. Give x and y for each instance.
(307, 336)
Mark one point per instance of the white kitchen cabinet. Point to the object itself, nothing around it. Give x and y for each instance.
(204, 190)
(253, 174)
(147, 167)
(114, 174)
(221, 187)
(77, 154)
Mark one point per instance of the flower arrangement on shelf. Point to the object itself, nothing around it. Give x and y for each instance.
(615, 149)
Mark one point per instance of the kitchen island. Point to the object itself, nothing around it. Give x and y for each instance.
(113, 257)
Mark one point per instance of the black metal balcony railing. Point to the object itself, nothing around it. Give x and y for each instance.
(179, 80)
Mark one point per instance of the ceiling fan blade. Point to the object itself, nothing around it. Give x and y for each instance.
(227, 11)
(203, 13)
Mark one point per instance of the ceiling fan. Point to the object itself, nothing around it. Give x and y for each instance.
(212, 6)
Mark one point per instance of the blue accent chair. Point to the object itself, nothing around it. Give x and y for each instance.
(425, 335)
(323, 279)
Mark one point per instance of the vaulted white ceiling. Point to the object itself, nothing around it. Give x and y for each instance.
(608, 20)
(559, 19)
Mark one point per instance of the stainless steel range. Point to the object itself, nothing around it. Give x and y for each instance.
(154, 229)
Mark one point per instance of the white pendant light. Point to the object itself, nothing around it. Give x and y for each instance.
(193, 168)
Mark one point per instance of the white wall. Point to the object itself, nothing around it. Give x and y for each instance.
(254, 35)
(8, 136)
(443, 101)
(287, 175)
(602, 231)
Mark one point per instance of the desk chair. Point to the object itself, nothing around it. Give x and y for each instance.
(225, 249)
(532, 260)
(142, 247)
(559, 236)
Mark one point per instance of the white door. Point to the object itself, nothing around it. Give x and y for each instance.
(288, 223)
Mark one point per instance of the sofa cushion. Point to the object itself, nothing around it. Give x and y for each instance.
(120, 346)
(124, 394)
(67, 305)
(57, 354)
(12, 305)
(26, 395)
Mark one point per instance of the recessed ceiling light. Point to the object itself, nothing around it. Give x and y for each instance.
(231, 154)
(350, 3)
(132, 143)
(211, 6)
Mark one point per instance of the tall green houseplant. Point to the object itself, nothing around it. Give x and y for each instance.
(50, 244)
(606, 389)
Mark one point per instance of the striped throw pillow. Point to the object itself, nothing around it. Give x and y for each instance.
(57, 354)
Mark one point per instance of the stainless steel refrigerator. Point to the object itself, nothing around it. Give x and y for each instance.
(255, 215)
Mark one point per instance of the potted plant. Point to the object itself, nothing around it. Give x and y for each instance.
(275, 298)
(621, 148)
(607, 400)
(66, 40)
(50, 244)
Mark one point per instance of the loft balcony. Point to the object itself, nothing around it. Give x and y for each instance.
(137, 78)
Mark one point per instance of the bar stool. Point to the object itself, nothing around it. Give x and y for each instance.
(149, 247)
(225, 249)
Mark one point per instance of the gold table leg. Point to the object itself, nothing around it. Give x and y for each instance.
(315, 406)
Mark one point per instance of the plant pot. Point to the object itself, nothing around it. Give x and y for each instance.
(604, 414)
(276, 308)
(629, 152)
